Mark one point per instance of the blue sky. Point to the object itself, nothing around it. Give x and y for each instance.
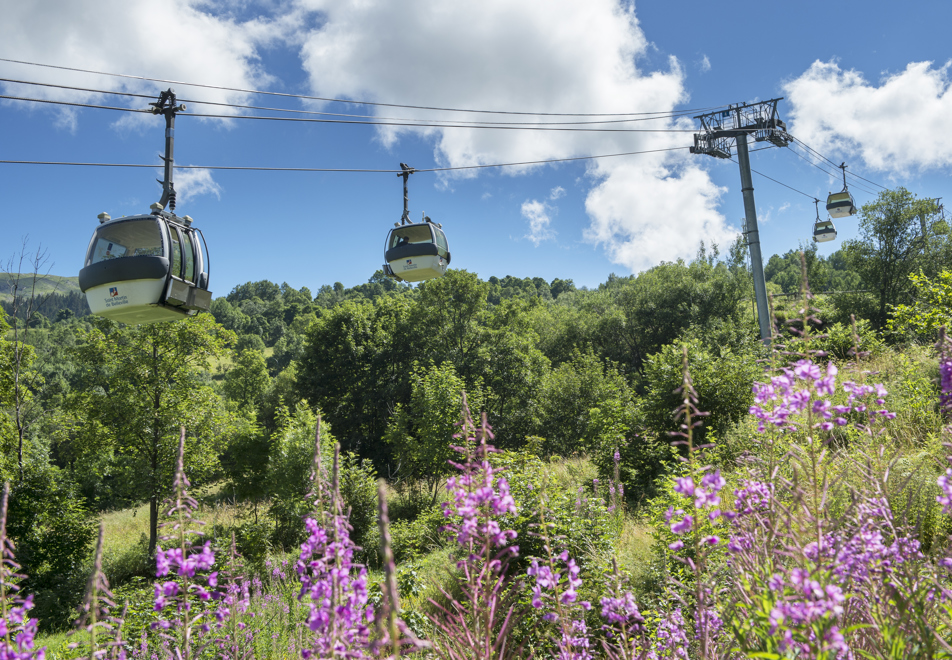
(866, 83)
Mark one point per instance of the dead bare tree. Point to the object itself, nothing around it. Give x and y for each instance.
(26, 300)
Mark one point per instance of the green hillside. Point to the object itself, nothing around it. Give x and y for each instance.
(45, 284)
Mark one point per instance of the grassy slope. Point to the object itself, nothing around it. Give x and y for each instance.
(44, 284)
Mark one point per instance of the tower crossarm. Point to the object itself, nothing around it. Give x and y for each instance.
(720, 129)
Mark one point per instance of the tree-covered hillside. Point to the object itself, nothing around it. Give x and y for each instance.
(572, 382)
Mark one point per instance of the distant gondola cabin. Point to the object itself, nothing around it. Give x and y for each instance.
(824, 231)
(416, 252)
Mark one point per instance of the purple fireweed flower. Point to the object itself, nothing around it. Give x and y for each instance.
(805, 369)
(671, 641)
(185, 561)
(21, 631)
(945, 499)
(682, 526)
(339, 615)
(476, 496)
(684, 485)
(621, 611)
(945, 377)
(556, 593)
(779, 403)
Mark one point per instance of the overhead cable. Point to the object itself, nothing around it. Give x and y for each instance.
(421, 124)
(819, 155)
(831, 174)
(73, 103)
(409, 124)
(335, 100)
(810, 197)
(355, 170)
(668, 115)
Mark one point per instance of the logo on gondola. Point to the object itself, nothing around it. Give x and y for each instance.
(409, 261)
(113, 292)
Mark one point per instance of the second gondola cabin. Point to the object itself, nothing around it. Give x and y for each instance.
(823, 231)
(146, 268)
(416, 252)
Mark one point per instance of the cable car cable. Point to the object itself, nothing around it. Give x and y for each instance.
(343, 170)
(365, 123)
(830, 174)
(811, 197)
(426, 125)
(818, 154)
(74, 103)
(333, 100)
(670, 115)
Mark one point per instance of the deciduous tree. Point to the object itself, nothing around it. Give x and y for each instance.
(141, 384)
(897, 237)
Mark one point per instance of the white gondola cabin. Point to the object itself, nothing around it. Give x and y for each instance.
(841, 205)
(416, 252)
(823, 231)
(146, 268)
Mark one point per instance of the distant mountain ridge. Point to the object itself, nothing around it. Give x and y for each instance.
(45, 284)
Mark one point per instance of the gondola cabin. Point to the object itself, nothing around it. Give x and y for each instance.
(146, 268)
(840, 205)
(416, 252)
(823, 231)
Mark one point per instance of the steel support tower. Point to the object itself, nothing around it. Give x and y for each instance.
(724, 129)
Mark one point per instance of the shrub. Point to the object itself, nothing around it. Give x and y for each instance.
(723, 381)
(53, 534)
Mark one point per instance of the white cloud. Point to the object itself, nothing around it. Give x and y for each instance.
(192, 183)
(784, 207)
(537, 213)
(532, 55)
(704, 64)
(641, 228)
(897, 126)
(557, 193)
(191, 40)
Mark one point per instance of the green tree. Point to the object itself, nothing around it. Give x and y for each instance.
(356, 365)
(931, 310)
(140, 385)
(723, 380)
(53, 533)
(570, 393)
(8, 400)
(421, 433)
(289, 480)
(511, 368)
(248, 380)
(787, 272)
(897, 237)
(452, 311)
(655, 307)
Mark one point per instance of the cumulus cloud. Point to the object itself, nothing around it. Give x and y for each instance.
(704, 64)
(537, 213)
(640, 229)
(192, 183)
(531, 56)
(557, 193)
(896, 126)
(190, 40)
